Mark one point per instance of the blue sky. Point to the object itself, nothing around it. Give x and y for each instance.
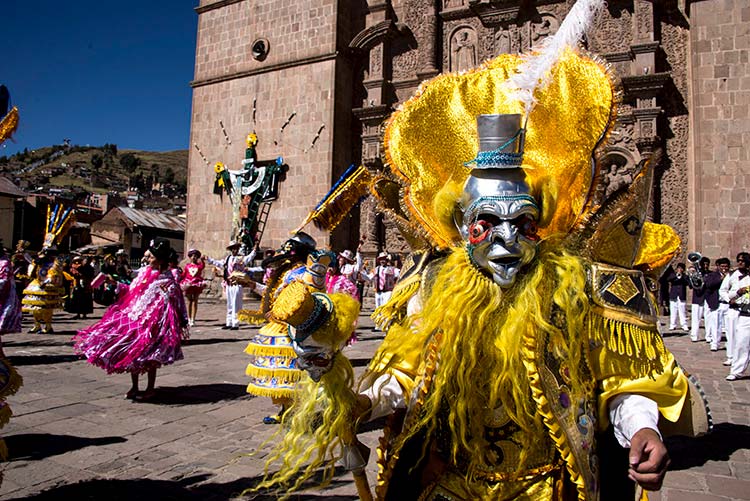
(99, 71)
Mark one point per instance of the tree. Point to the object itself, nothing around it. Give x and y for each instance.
(110, 149)
(167, 176)
(130, 162)
(96, 161)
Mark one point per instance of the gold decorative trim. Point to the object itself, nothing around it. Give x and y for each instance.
(555, 432)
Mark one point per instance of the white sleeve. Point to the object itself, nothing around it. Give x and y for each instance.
(629, 413)
(386, 395)
(215, 262)
(724, 289)
(358, 260)
(250, 257)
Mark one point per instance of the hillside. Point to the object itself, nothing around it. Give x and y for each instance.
(97, 169)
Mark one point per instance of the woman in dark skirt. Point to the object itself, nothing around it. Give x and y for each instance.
(81, 301)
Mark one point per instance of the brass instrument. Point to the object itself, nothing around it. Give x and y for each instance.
(694, 275)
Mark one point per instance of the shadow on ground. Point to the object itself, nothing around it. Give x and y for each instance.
(36, 446)
(718, 445)
(19, 360)
(359, 362)
(192, 487)
(198, 394)
(10, 342)
(196, 341)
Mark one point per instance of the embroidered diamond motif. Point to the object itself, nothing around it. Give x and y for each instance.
(623, 288)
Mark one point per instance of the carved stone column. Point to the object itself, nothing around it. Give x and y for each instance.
(428, 53)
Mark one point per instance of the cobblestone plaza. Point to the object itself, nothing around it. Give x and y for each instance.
(75, 436)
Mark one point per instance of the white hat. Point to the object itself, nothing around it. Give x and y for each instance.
(233, 244)
(383, 255)
(348, 255)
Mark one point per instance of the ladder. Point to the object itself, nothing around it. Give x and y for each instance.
(262, 218)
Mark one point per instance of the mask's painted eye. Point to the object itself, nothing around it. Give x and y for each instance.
(478, 231)
(528, 227)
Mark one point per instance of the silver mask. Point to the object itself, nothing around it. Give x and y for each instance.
(497, 213)
(314, 358)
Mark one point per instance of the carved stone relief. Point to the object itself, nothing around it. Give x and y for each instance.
(463, 51)
(623, 137)
(405, 49)
(502, 42)
(618, 171)
(613, 34)
(376, 61)
(647, 129)
(644, 20)
(545, 27)
(671, 191)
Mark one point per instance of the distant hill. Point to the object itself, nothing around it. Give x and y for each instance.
(97, 169)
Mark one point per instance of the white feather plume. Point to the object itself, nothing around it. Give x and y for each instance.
(534, 72)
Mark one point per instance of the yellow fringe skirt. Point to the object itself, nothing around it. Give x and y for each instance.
(273, 364)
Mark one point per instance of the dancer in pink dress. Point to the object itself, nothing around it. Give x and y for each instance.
(338, 282)
(192, 282)
(10, 305)
(144, 329)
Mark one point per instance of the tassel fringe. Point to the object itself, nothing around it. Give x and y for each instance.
(286, 375)
(270, 350)
(641, 348)
(395, 309)
(351, 187)
(262, 391)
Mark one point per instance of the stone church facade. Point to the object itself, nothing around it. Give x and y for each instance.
(317, 78)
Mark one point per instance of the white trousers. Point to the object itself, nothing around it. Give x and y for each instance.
(234, 304)
(381, 298)
(696, 313)
(741, 346)
(731, 319)
(723, 310)
(712, 326)
(677, 308)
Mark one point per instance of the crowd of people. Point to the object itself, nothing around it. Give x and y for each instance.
(719, 301)
(125, 340)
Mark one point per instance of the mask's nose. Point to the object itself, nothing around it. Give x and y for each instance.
(505, 233)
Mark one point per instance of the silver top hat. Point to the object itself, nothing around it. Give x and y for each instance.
(501, 142)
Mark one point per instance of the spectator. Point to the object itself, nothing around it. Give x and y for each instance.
(678, 284)
(733, 312)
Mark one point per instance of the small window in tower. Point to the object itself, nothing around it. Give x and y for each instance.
(260, 49)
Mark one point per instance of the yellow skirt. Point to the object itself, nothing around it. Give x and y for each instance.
(273, 364)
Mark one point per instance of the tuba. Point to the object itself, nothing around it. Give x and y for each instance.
(694, 275)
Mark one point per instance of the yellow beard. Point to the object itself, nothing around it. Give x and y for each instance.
(480, 330)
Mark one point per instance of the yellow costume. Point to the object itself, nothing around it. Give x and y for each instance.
(45, 292)
(498, 387)
(272, 368)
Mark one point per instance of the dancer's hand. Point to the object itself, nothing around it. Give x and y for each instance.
(648, 459)
(362, 408)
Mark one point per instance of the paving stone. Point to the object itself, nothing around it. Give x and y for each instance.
(728, 487)
(678, 495)
(72, 424)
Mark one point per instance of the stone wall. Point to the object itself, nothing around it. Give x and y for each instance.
(719, 103)
(298, 76)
